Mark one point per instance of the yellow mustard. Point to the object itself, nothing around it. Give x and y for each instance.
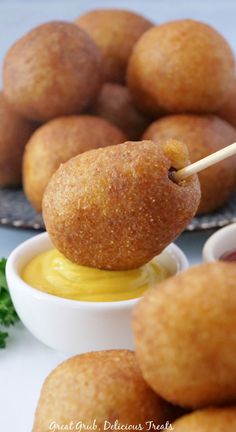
(51, 272)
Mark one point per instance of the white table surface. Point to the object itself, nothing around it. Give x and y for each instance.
(25, 362)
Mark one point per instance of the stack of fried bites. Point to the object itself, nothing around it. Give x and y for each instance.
(182, 375)
(110, 76)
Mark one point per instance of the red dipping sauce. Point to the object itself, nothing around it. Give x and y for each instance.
(229, 256)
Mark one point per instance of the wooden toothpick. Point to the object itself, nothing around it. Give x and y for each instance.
(204, 163)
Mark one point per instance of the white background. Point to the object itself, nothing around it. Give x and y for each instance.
(26, 362)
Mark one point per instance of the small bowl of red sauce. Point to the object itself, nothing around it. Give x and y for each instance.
(221, 245)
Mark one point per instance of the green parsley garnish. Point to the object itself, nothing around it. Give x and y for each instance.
(8, 315)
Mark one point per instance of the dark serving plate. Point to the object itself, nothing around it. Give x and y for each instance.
(17, 212)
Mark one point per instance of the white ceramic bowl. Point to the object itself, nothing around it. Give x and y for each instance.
(74, 326)
(221, 242)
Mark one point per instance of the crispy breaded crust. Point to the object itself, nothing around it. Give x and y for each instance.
(14, 133)
(208, 420)
(53, 70)
(185, 336)
(116, 208)
(114, 103)
(227, 110)
(58, 141)
(115, 32)
(180, 66)
(203, 134)
(106, 386)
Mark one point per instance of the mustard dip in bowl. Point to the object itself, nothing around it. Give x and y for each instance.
(76, 309)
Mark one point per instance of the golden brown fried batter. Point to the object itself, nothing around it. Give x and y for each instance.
(116, 208)
(104, 386)
(14, 133)
(180, 66)
(58, 141)
(185, 336)
(53, 70)
(114, 103)
(208, 420)
(115, 31)
(227, 110)
(203, 135)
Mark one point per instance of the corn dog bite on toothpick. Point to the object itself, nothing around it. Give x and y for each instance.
(116, 208)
